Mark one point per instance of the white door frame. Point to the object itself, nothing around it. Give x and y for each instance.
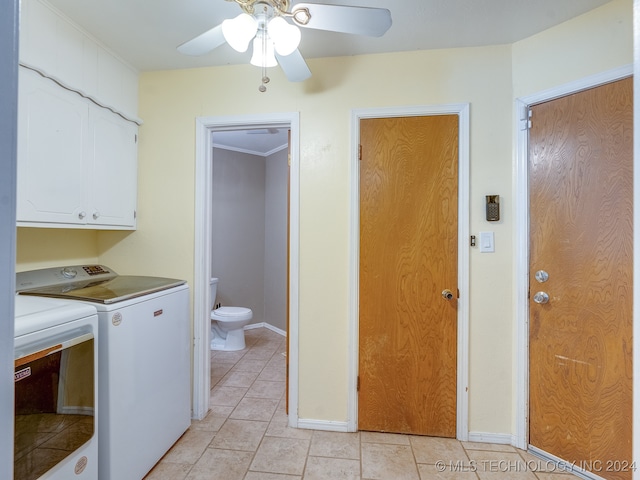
(462, 110)
(521, 196)
(205, 126)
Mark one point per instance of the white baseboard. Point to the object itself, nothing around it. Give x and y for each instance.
(326, 425)
(266, 325)
(333, 426)
(576, 468)
(499, 438)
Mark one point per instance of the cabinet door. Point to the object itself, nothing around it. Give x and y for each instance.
(52, 152)
(113, 179)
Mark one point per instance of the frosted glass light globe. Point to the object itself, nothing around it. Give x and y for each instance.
(239, 31)
(286, 37)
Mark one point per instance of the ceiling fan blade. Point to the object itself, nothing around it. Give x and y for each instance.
(203, 43)
(373, 22)
(294, 66)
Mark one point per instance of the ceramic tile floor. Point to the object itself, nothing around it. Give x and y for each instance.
(246, 437)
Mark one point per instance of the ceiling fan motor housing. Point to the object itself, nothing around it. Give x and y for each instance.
(279, 6)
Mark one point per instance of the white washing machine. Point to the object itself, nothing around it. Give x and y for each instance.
(144, 380)
(56, 401)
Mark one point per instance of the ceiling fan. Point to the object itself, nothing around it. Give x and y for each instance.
(272, 25)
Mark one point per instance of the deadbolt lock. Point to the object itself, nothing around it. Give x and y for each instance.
(447, 294)
(542, 276)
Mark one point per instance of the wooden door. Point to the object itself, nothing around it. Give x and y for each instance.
(581, 198)
(408, 256)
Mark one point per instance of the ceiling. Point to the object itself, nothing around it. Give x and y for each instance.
(145, 34)
(256, 141)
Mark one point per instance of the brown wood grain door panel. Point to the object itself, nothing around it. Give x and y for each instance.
(408, 256)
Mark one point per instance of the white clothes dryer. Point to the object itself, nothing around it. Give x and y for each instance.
(56, 400)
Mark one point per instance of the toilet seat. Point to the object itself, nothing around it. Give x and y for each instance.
(231, 313)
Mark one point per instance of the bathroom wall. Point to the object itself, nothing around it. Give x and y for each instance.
(275, 239)
(249, 241)
(238, 229)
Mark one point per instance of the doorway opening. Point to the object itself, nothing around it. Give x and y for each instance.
(462, 317)
(250, 222)
(205, 130)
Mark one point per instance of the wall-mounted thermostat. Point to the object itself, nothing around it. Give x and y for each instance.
(493, 208)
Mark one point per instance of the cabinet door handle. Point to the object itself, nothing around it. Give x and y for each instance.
(81, 215)
(96, 215)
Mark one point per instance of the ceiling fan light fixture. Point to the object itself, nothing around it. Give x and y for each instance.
(239, 31)
(273, 24)
(263, 52)
(286, 37)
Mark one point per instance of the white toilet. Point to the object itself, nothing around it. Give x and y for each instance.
(227, 324)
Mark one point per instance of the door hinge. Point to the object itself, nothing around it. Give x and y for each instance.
(359, 152)
(525, 119)
(358, 383)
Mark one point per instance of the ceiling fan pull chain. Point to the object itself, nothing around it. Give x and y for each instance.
(265, 80)
(265, 38)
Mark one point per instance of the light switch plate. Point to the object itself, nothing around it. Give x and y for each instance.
(487, 242)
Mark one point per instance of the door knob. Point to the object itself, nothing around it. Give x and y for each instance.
(541, 297)
(447, 294)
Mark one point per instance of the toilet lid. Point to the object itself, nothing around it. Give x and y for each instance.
(231, 311)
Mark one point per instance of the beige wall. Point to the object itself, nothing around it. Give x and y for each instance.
(597, 41)
(43, 247)
(489, 78)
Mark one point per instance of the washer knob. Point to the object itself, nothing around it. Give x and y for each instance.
(68, 272)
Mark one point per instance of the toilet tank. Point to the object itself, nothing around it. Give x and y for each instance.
(213, 290)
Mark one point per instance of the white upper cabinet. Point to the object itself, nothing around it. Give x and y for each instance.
(53, 45)
(113, 179)
(77, 162)
(77, 127)
(52, 152)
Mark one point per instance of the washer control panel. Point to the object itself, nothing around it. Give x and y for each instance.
(62, 275)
